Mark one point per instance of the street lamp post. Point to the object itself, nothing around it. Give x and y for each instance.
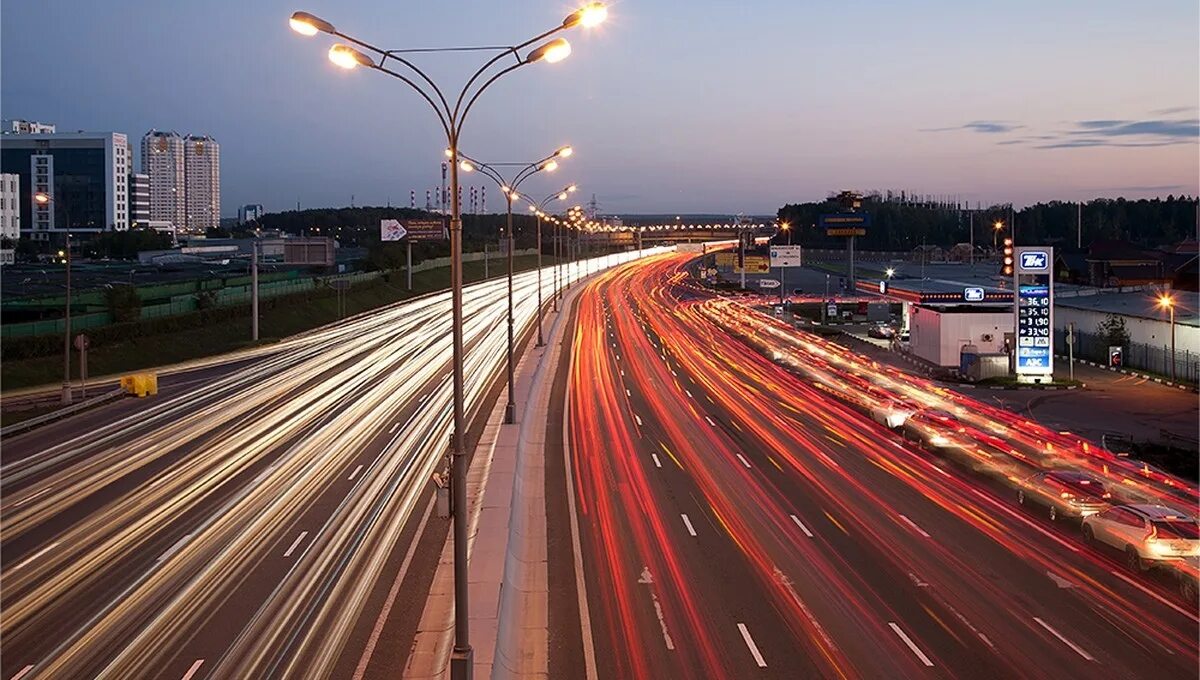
(452, 120)
(787, 228)
(47, 199)
(510, 190)
(539, 210)
(1165, 301)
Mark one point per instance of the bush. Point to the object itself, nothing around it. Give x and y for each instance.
(123, 303)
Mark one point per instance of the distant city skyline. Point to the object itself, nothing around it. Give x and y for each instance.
(737, 109)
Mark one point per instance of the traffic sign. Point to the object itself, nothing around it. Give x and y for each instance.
(768, 283)
(82, 342)
(845, 224)
(786, 256)
(391, 230)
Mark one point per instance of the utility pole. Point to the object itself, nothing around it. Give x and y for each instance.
(971, 222)
(254, 291)
(1079, 225)
(408, 263)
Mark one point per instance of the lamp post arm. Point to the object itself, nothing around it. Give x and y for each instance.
(459, 118)
(511, 50)
(391, 54)
(450, 136)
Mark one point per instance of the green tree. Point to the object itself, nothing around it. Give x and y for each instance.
(1113, 330)
(123, 303)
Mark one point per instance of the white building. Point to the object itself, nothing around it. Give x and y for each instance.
(249, 213)
(139, 199)
(202, 175)
(85, 174)
(10, 206)
(17, 126)
(938, 335)
(162, 161)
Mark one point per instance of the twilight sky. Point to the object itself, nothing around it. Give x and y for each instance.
(704, 106)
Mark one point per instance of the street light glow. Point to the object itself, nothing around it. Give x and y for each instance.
(307, 24)
(564, 152)
(465, 166)
(347, 57)
(1166, 301)
(550, 165)
(553, 52)
(41, 198)
(562, 196)
(573, 188)
(998, 225)
(890, 272)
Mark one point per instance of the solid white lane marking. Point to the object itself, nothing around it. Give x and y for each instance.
(710, 421)
(355, 473)
(395, 426)
(915, 650)
(22, 673)
(802, 527)
(1059, 581)
(192, 671)
(688, 393)
(31, 496)
(628, 393)
(1064, 640)
(743, 459)
(913, 524)
(638, 419)
(34, 556)
(688, 523)
(174, 548)
(295, 543)
(758, 658)
(657, 462)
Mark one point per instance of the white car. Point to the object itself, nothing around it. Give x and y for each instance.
(1147, 534)
(892, 414)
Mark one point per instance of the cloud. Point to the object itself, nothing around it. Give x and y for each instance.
(1086, 142)
(1144, 189)
(989, 127)
(1171, 111)
(1170, 129)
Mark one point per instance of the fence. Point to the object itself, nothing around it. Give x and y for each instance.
(1135, 355)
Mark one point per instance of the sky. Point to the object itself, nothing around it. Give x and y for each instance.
(706, 106)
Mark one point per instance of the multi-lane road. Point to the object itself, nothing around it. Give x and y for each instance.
(252, 522)
(737, 517)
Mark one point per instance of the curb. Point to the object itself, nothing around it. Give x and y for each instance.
(1125, 371)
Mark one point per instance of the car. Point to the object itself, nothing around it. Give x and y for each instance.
(882, 331)
(893, 413)
(1065, 493)
(935, 428)
(1147, 534)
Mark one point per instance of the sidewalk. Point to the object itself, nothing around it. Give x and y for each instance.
(507, 550)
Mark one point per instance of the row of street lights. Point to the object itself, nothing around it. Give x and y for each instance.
(452, 119)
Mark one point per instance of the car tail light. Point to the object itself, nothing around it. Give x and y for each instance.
(1065, 494)
(1106, 495)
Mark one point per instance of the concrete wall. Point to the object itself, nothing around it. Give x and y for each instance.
(1153, 332)
(938, 337)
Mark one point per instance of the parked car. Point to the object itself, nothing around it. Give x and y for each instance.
(1148, 534)
(1065, 493)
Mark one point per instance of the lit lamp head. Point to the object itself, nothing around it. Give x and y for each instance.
(998, 225)
(1166, 301)
(562, 196)
(41, 198)
(572, 189)
(309, 25)
(466, 166)
(347, 57)
(549, 166)
(589, 16)
(553, 52)
(890, 272)
(564, 151)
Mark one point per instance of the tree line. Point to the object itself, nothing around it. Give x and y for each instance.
(900, 225)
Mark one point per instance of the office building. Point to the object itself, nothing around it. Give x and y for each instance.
(162, 162)
(85, 174)
(10, 206)
(26, 127)
(139, 199)
(202, 178)
(250, 212)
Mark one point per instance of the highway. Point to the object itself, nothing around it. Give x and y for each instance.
(741, 516)
(249, 523)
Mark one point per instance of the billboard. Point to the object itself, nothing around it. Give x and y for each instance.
(724, 258)
(1033, 307)
(391, 230)
(845, 224)
(414, 230)
(786, 256)
(307, 251)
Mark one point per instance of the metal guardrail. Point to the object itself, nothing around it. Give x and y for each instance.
(17, 428)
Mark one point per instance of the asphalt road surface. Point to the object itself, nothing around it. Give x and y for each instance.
(249, 523)
(739, 517)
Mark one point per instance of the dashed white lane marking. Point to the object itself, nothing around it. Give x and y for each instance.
(915, 650)
(743, 459)
(628, 393)
(687, 392)
(22, 673)
(395, 426)
(1059, 581)
(174, 548)
(913, 524)
(295, 544)
(802, 527)
(31, 496)
(710, 421)
(657, 462)
(423, 398)
(1074, 647)
(638, 419)
(758, 658)
(688, 523)
(917, 580)
(648, 579)
(192, 670)
(355, 473)
(34, 556)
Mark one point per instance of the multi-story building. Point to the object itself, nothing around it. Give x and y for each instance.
(25, 127)
(10, 206)
(202, 176)
(162, 162)
(250, 212)
(85, 175)
(139, 200)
